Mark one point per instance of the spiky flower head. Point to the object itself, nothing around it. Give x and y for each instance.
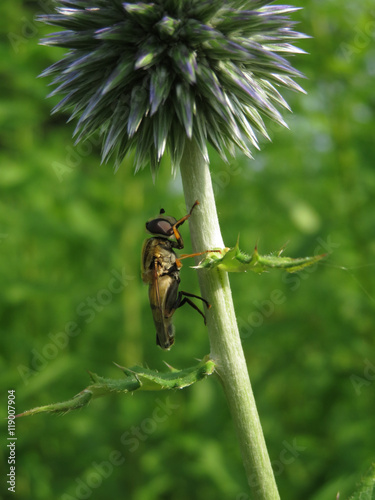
(148, 75)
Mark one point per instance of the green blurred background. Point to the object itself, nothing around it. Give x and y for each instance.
(70, 238)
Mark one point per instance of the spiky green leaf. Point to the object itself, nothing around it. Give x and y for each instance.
(235, 261)
(136, 378)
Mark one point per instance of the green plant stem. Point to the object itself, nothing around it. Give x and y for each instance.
(226, 348)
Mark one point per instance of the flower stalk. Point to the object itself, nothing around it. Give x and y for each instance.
(225, 342)
(171, 76)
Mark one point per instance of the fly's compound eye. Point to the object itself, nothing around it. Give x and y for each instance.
(160, 226)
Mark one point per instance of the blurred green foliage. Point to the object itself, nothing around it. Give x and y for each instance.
(72, 299)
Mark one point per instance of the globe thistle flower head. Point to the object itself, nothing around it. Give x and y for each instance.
(150, 75)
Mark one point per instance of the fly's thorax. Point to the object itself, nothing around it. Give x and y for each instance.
(157, 252)
(164, 253)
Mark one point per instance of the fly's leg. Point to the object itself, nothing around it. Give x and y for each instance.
(187, 294)
(176, 232)
(188, 255)
(186, 300)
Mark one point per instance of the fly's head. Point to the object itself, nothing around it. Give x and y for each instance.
(167, 227)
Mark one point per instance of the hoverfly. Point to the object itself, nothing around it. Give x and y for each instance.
(161, 270)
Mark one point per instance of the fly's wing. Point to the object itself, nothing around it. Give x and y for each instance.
(157, 294)
(146, 260)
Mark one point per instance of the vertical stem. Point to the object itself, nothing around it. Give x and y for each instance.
(226, 348)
